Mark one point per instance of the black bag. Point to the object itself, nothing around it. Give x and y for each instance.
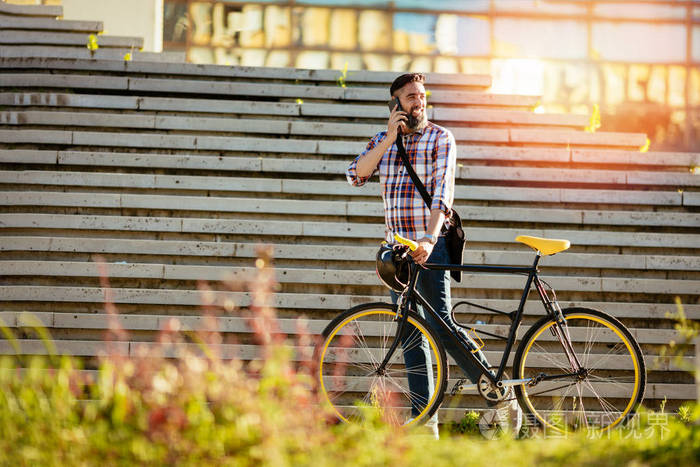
(455, 238)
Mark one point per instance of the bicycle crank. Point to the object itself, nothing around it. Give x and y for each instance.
(490, 391)
(461, 386)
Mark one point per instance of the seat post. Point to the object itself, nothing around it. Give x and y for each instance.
(537, 260)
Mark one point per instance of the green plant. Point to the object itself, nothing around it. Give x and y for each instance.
(688, 412)
(92, 44)
(468, 424)
(343, 76)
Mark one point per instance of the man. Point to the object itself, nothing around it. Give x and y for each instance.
(432, 152)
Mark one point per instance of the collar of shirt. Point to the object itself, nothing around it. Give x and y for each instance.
(417, 133)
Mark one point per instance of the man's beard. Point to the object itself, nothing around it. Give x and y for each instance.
(416, 123)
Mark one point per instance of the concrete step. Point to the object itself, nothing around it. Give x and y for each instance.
(10, 80)
(467, 155)
(338, 208)
(248, 89)
(343, 230)
(598, 156)
(578, 176)
(305, 303)
(9, 9)
(184, 104)
(159, 57)
(691, 199)
(170, 248)
(289, 127)
(511, 117)
(355, 78)
(108, 53)
(485, 281)
(568, 137)
(191, 142)
(439, 115)
(48, 24)
(337, 188)
(581, 156)
(66, 38)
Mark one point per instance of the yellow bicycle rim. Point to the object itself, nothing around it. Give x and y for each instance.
(418, 326)
(607, 326)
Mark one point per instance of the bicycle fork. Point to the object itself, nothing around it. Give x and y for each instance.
(560, 329)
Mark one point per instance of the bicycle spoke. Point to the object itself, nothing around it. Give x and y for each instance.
(544, 353)
(384, 337)
(607, 408)
(412, 394)
(362, 341)
(410, 371)
(603, 358)
(568, 390)
(583, 408)
(415, 340)
(367, 399)
(615, 381)
(588, 344)
(546, 391)
(365, 368)
(340, 354)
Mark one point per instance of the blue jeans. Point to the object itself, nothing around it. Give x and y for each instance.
(434, 286)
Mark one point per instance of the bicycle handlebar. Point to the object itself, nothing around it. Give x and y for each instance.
(413, 246)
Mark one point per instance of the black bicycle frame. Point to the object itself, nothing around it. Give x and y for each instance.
(410, 294)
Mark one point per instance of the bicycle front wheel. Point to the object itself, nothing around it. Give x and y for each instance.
(356, 343)
(604, 393)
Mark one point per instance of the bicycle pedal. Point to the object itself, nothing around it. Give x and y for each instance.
(458, 387)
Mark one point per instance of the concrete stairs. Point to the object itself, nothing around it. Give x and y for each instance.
(38, 31)
(174, 172)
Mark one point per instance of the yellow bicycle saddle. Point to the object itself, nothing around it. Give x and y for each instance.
(546, 246)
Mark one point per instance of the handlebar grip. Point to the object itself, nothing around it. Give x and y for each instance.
(413, 246)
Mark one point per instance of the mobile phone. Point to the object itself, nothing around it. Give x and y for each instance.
(393, 103)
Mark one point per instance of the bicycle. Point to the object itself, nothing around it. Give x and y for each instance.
(574, 367)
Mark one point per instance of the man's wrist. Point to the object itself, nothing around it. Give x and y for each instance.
(431, 238)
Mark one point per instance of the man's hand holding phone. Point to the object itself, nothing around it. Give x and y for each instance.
(397, 119)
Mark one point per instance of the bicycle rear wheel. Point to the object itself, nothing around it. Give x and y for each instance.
(604, 395)
(354, 345)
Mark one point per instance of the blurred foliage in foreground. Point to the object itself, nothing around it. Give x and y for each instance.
(206, 411)
(178, 402)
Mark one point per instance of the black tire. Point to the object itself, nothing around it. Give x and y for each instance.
(614, 362)
(354, 343)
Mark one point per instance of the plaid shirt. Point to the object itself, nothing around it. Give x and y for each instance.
(433, 155)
